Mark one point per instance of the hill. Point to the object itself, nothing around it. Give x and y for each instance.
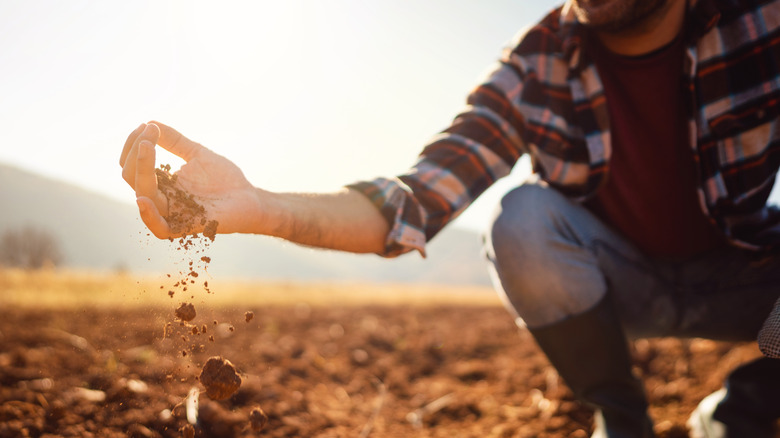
(97, 232)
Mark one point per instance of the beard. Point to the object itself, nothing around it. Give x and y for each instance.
(617, 16)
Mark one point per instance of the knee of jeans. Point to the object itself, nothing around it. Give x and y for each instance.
(542, 279)
(523, 221)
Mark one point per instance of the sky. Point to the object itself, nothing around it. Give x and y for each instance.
(304, 95)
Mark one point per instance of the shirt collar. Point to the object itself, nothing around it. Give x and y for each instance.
(572, 34)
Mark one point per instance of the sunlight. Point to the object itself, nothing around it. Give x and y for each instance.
(303, 95)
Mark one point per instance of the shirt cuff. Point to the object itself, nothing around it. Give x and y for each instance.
(403, 214)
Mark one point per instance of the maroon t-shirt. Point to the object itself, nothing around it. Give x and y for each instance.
(650, 192)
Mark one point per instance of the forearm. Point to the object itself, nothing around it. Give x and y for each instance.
(345, 220)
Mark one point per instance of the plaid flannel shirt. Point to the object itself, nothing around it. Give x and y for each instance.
(544, 98)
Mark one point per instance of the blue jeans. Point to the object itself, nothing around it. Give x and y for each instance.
(551, 259)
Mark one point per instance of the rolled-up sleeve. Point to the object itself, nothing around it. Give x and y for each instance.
(479, 147)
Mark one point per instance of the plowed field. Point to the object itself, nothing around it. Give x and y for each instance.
(335, 370)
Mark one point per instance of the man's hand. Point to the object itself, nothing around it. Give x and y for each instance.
(344, 220)
(213, 181)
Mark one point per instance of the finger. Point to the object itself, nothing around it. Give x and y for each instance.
(129, 143)
(150, 133)
(128, 170)
(146, 177)
(173, 141)
(152, 218)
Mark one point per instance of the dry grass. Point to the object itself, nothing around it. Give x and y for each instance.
(73, 289)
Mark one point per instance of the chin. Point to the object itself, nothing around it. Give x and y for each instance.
(616, 15)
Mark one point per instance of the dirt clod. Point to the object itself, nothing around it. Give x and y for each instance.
(248, 316)
(186, 312)
(257, 419)
(220, 378)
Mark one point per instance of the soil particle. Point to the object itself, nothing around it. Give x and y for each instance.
(220, 378)
(257, 419)
(187, 431)
(186, 312)
(248, 316)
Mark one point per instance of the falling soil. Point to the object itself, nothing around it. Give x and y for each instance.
(220, 378)
(186, 312)
(257, 419)
(185, 216)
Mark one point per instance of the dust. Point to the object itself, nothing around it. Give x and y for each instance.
(220, 378)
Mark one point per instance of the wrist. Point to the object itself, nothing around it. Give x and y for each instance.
(247, 214)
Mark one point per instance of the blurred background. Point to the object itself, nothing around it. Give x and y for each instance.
(304, 95)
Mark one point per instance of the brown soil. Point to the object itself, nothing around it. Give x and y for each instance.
(187, 431)
(257, 419)
(320, 372)
(186, 312)
(220, 378)
(248, 316)
(184, 212)
(185, 215)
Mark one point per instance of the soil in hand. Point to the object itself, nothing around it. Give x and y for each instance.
(220, 378)
(184, 212)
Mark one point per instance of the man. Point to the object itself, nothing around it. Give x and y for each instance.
(654, 133)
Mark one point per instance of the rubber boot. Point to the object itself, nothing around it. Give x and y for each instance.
(590, 352)
(747, 406)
